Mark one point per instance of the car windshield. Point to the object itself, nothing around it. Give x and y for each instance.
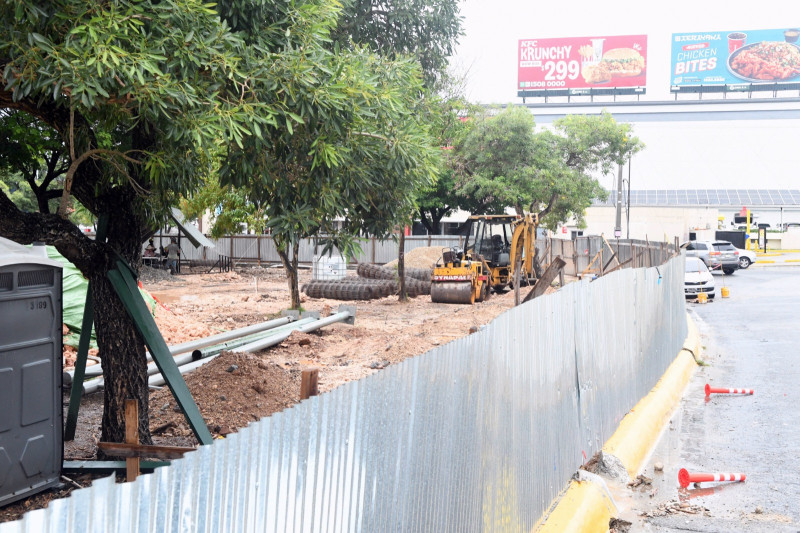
(695, 265)
(724, 246)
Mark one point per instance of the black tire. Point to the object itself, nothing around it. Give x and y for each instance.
(744, 262)
(711, 295)
(729, 271)
(484, 295)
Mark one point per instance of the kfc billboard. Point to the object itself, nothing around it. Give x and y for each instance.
(563, 64)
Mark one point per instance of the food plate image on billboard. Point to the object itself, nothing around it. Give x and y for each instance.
(736, 57)
(562, 65)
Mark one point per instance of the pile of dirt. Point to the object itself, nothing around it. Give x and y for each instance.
(423, 257)
(231, 391)
(151, 275)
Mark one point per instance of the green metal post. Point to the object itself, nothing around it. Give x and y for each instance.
(83, 347)
(122, 279)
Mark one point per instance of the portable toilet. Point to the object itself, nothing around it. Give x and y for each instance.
(31, 444)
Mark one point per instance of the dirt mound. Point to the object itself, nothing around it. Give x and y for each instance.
(423, 257)
(231, 391)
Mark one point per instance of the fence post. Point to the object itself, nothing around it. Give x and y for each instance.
(309, 379)
(231, 238)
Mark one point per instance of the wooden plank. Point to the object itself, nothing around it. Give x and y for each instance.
(621, 265)
(589, 268)
(135, 451)
(131, 437)
(309, 380)
(547, 278)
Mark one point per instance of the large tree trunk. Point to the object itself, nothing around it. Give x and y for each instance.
(124, 363)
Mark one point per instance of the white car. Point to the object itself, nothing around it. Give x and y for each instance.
(746, 258)
(698, 279)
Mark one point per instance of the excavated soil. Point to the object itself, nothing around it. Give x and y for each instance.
(235, 389)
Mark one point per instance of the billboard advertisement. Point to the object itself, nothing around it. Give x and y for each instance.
(735, 59)
(576, 64)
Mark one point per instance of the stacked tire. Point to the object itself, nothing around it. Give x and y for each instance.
(373, 282)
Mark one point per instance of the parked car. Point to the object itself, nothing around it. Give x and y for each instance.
(717, 255)
(746, 257)
(697, 279)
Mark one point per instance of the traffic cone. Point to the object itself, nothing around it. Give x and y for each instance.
(710, 390)
(686, 479)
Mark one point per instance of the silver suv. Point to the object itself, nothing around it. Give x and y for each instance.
(717, 255)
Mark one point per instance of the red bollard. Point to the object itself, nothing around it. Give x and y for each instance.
(686, 479)
(709, 391)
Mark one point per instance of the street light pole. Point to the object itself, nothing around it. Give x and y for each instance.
(618, 223)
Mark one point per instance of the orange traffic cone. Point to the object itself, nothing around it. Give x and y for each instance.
(710, 390)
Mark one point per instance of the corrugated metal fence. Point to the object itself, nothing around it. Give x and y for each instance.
(578, 254)
(480, 434)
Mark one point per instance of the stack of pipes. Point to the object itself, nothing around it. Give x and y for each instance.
(192, 355)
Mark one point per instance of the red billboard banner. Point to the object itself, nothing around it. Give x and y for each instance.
(582, 63)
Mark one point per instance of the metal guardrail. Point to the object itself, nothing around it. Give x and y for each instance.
(480, 434)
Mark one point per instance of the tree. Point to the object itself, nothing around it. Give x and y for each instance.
(145, 97)
(426, 29)
(547, 173)
(358, 158)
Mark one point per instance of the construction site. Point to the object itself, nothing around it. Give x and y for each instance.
(243, 358)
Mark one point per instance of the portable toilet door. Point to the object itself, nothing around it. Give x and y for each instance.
(31, 444)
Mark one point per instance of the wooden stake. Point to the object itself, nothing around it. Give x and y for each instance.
(132, 437)
(308, 383)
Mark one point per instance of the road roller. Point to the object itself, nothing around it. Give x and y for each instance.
(495, 245)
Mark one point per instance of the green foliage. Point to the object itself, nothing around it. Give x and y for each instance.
(551, 173)
(15, 188)
(426, 29)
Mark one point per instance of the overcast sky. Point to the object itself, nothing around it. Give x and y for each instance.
(493, 28)
(730, 154)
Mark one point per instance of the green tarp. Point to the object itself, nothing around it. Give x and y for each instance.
(74, 287)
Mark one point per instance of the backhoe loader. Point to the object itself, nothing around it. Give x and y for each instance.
(495, 246)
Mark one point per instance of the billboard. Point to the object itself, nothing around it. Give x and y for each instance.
(582, 65)
(735, 60)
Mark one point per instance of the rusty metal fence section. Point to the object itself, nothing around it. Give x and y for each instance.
(480, 434)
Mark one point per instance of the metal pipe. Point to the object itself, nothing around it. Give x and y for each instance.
(187, 359)
(260, 344)
(277, 339)
(97, 370)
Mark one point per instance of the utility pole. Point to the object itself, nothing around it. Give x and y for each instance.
(618, 224)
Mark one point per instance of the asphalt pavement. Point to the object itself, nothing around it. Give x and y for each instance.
(750, 340)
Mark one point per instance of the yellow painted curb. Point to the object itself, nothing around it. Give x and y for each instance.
(584, 507)
(767, 261)
(587, 507)
(792, 261)
(641, 427)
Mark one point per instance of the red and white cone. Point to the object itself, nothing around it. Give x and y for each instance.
(685, 478)
(710, 390)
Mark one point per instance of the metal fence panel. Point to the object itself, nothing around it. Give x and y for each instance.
(480, 434)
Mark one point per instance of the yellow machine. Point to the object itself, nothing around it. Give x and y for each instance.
(494, 246)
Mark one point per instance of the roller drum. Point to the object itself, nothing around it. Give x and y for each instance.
(458, 292)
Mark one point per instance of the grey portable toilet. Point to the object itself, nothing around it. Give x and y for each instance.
(31, 444)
